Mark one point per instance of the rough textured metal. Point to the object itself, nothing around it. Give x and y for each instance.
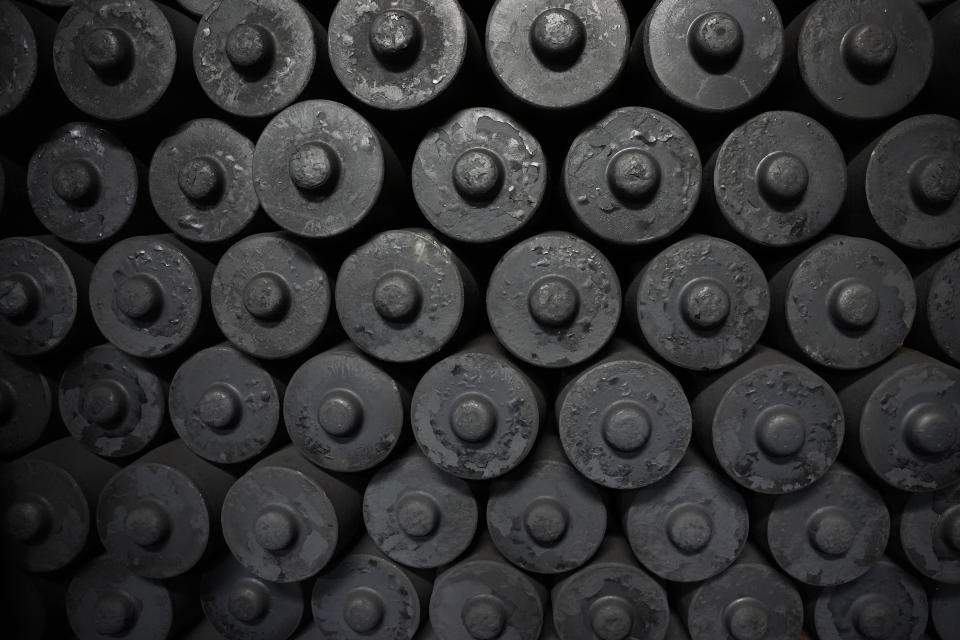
(828, 534)
(929, 533)
(241, 606)
(106, 600)
(864, 59)
(367, 595)
(83, 184)
(159, 515)
(772, 424)
(402, 296)
(911, 181)
(624, 421)
(269, 297)
(343, 413)
(39, 294)
(633, 177)
(26, 404)
(701, 304)
(749, 601)
(417, 514)
(201, 181)
(945, 610)
(886, 602)
(611, 598)
(690, 526)
(711, 55)
(146, 294)
(18, 50)
(845, 303)
(476, 415)
(254, 58)
(779, 179)
(321, 169)
(482, 597)
(557, 57)
(398, 56)
(112, 403)
(545, 517)
(285, 519)
(47, 498)
(479, 176)
(115, 59)
(553, 300)
(938, 306)
(903, 421)
(224, 406)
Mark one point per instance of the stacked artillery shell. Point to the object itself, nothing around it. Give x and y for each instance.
(479, 319)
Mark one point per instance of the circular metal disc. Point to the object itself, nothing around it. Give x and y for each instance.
(352, 186)
(654, 519)
(241, 606)
(894, 596)
(209, 144)
(742, 184)
(116, 176)
(419, 286)
(892, 173)
(443, 50)
(945, 609)
(823, 66)
(295, 39)
(224, 406)
(512, 518)
(285, 270)
(64, 536)
(53, 311)
(341, 598)
(518, 160)
(153, 58)
(943, 306)
(520, 69)
(179, 313)
(781, 394)
(812, 295)
(592, 401)
(575, 289)
(756, 587)
(886, 421)
(830, 533)
(18, 50)
(315, 528)
(105, 595)
(670, 54)
(180, 512)
(394, 498)
(929, 525)
(672, 316)
(342, 412)
(500, 415)
(142, 405)
(469, 589)
(578, 602)
(649, 211)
